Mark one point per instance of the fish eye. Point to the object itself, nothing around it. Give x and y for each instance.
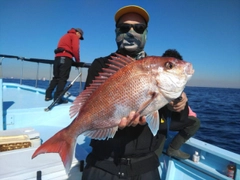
(169, 65)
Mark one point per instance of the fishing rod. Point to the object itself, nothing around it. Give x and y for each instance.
(64, 91)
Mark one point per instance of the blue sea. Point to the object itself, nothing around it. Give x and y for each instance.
(217, 108)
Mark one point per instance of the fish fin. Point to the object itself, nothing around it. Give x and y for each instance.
(146, 104)
(80, 101)
(115, 63)
(60, 143)
(153, 122)
(101, 134)
(119, 61)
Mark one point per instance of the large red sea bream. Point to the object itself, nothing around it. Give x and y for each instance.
(126, 85)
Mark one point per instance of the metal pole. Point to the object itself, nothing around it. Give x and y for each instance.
(1, 76)
(22, 73)
(60, 96)
(36, 82)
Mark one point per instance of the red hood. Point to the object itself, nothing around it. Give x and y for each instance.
(72, 31)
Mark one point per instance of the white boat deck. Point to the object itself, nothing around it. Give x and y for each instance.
(19, 101)
(17, 164)
(16, 108)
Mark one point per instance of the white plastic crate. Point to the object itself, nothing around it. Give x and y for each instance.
(14, 139)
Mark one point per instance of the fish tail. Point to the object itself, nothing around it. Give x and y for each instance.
(61, 143)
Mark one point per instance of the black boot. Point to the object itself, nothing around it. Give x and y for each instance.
(177, 153)
(174, 148)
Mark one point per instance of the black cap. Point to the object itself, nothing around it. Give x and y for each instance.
(80, 31)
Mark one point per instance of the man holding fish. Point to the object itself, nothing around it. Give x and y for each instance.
(123, 107)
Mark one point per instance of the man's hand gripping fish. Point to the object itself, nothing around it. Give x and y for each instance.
(143, 86)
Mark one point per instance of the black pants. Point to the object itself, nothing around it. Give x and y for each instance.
(187, 128)
(61, 71)
(94, 173)
(143, 168)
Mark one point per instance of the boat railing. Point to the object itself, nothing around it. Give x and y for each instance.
(38, 61)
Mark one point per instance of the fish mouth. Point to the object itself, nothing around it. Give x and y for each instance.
(189, 69)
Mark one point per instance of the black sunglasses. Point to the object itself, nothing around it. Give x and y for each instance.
(138, 28)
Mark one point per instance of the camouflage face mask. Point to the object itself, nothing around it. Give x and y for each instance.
(131, 41)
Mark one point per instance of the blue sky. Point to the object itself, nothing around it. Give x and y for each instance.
(206, 33)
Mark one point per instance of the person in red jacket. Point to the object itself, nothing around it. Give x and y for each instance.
(68, 47)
